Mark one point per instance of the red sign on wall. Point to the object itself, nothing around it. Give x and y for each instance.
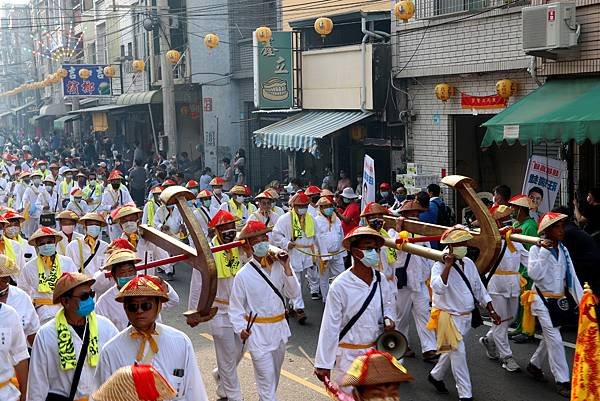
(208, 104)
(551, 14)
(482, 102)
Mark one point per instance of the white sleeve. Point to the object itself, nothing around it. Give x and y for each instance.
(37, 382)
(437, 284)
(237, 305)
(280, 236)
(538, 262)
(18, 345)
(331, 326)
(173, 298)
(195, 389)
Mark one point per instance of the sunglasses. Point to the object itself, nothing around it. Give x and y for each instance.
(145, 307)
(85, 295)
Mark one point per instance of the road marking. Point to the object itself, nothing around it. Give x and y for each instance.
(539, 337)
(284, 372)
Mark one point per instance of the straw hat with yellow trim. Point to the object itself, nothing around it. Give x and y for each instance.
(324, 201)
(361, 232)
(455, 235)
(127, 211)
(43, 232)
(77, 193)
(238, 190)
(253, 228)
(144, 286)
(205, 193)
(264, 195)
(312, 190)
(12, 215)
(67, 215)
(500, 212)
(119, 256)
(49, 179)
(411, 206)
(67, 282)
(135, 383)
(8, 267)
(374, 208)
(217, 182)
(548, 219)
(373, 368)
(221, 218)
(93, 217)
(522, 201)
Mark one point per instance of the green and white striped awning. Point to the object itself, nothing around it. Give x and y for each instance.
(300, 132)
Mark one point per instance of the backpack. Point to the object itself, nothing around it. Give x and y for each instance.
(445, 215)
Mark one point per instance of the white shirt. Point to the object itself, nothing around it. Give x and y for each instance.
(172, 221)
(251, 292)
(13, 349)
(27, 250)
(108, 307)
(61, 247)
(509, 285)
(21, 302)
(50, 200)
(46, 375)
(269, 221)
(549, 274)
(454, 297)
(29, 280)
(346, 296)
(204, 216)
(226, 207)
(418, 270)
(80, 208)
(94, 265)
(216, 202)
(282, 236)
(329, 235)
(146, 212)
(30, 199)
(111, 197)
(175, 353)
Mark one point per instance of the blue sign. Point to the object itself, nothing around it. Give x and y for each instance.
(97, 84)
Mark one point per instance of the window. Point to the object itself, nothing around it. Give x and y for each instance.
(130, 50)
(87, 5)
(101, 43)
(434, 8)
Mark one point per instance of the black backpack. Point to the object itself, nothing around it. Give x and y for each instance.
(445, 216)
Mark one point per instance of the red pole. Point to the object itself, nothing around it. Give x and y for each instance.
(179, 258)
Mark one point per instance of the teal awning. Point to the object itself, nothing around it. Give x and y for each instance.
(59, 123)
(559, 110)
(133, 99)
(98, 109)
(301, 131)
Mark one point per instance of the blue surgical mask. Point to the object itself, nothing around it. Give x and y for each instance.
(121, 281)
(400, 198)
(302, 211)
(261, 249)
(346, 200)
(370, 258)
(194, 191)
(206, 202)
(93, 231)
(385, 194)
(47, 249)
(85, 307)
(328, 211)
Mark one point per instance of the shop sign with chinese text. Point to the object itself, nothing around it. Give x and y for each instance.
(97, 84)
(273, 68)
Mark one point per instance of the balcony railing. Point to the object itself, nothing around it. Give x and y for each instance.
(437, 8)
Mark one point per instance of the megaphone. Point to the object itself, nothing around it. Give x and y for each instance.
(392, 342)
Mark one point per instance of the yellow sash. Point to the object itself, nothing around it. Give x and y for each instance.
(235, 210)
(298, 229)
(228, 261)
(66, 350)
(448, 336)
(391, 253)
(151, 212)
(46, 284)
(9, 249)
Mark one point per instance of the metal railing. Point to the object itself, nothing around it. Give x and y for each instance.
(426, 9)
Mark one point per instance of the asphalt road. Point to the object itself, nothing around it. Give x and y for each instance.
(490, 381)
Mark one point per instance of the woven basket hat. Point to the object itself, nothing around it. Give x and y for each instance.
(374, 208)
(93, 217)
(455, 235)
(373, 368)
(44, 232)
(548, 219)
(8, 267)
(253, 228)
(360, 232)
(144, 286)
(135, 383)
(67, 282)
(522, 201)
(500, 212)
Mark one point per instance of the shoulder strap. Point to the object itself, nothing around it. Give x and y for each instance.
(80, 361)
(362, 309)
(269, 282)
(486, 280)
(466, 280)
(401, 276)
(89, 259)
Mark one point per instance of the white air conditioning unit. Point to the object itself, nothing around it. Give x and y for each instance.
(550, 28)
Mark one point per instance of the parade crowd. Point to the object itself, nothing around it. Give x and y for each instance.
(78, 321)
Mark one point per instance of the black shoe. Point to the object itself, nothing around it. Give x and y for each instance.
(439, 385)
(521, 338)
(315, 296)
(564, 389)
(301, 316)
(431, 356)
(536, 373)
(409, 353)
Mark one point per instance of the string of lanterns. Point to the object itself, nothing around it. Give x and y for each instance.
(505, 88)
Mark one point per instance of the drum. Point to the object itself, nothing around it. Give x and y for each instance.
(48, 220)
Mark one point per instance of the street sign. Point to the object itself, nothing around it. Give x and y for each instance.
(273, 68)
(96, 85)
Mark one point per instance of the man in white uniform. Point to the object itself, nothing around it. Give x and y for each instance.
(295, 233)
(41, 274)
(13, 356)
(265, 212)
(9, 247)
(60, 342)
(152, 205)
(49, 200)
(218, 197)
(17, 298)
(452, 305)
(13, 231)
(169, 350)
(202, 210)
(554, 281)
(67, 221)
(115, 195)
(29, 204)
(346, 332)
(259, 288)
(236, 205)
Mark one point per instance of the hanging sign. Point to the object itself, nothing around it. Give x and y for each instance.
(273, 67)
(482, 102)
(544, 173)
(96, 84)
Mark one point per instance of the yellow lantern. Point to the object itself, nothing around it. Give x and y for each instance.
(444, 91)
(211, 40)
(185, 110)
(138, 65)
(404, 10)
(506, 88)
(173, 56)
(109, 71)
(323, 26)
(62, 73)
(84, 73)
(263, 34)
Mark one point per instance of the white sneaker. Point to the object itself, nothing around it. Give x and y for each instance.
(510, 364)
(220, 392)
(490, 348)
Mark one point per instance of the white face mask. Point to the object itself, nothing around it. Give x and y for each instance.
(129, 227)
(240, 198)
(93, 231)
(459, 251)
(67, 229)
(218, 191)
(302, 211)
(37, 182)
(12, 231)
(49, 188)
(92, 183)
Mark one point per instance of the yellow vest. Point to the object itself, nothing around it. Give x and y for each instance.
(228, 262)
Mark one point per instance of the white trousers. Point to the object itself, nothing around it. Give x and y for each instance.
(312, 276)
(267, 370)
(334, 268)
(551, 346)
(298, 302)
(30, 226)
(228, 349)
(457, 360)
(421, 312)
(403, 308)
(505, 307)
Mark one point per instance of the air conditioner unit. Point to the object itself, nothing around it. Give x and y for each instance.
(549, 29)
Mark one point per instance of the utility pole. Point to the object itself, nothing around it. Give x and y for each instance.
(168, 86)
